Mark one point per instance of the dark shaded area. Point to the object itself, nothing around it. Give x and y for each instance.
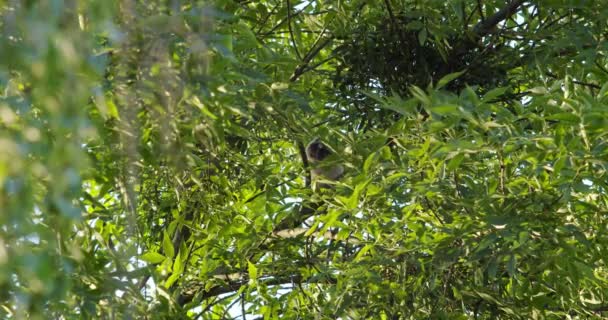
(400, 51)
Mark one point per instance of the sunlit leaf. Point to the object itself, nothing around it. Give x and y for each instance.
(168, 246)
(153, 257)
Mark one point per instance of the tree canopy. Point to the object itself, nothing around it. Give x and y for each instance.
(152, 159)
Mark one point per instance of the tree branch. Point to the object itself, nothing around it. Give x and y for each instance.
(481, 29)
(293, 40)
(485, 26)
(280, 23)
(300, 69)
(302, 151)
(582, 83)
(480, 10)
(390, 13)
(200, 292)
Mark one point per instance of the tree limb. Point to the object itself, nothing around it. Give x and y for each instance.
(301, 68)
(582, 83)
(486, 25)
(200, 292)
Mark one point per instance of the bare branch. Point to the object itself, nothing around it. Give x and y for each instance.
(293, 40)
(582, 83)
(485, 26)
(200, 292)
(309, 56)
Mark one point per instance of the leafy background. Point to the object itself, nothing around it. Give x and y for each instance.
(152, 166)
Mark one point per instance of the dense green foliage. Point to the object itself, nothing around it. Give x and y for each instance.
(151, 159)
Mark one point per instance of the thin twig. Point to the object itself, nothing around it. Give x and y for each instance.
(582, 83)
(316, 65)
(597, 64)
(390, 13)
(309, 56)
(243, 305)
(293, 40)
(263, 23)
(555, 21)
(485, 26)
(234, 286)
(280, 23)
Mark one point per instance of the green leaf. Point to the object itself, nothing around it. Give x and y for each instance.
(493, 94)
(448, 78)
(353, 201)
(369, 161)
(153, 257)
(106, 106)
(226, 41)
(445, 109)
(178, 263)
(603, 91)
(168, 245)
(414, 25)
(395, 177)
(511, 265)
(492, 269)
(565, 116)
(420, 95)
(279, 86)
(539, 90)
(394, 103)
(455, 161)
(422, 36)
(253, 272)
(171, 280)
(363, 251)
(245, 36)
(488, 298)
